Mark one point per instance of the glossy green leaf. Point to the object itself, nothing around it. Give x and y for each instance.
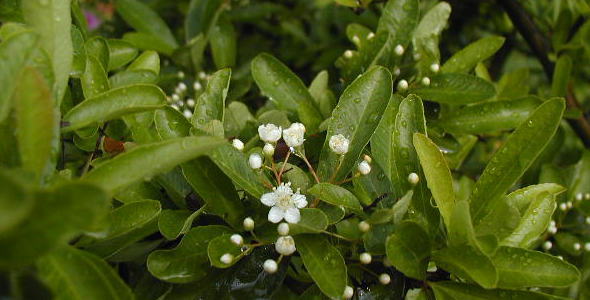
(515, 156)
(335, 195)
(130, 77)
(478, 51)
(356, 116)
(489, 117)
(533, 223)
(211, 103)
(375, 240)
(148, 60)
(173, 223)
(522, 198)
(170, 123)
(223, 41)
(324, 264)
(143, 19)
(427, 33)
(51, 19)
(79, 53)
(188, 261)
(120, 53)
(399, 20)
(382, 140)
(16, 202)
(44, 229)
(408, 249)
(36, 124)
(146, 41)
(285, 89)
(75, 274)
(145, 161)
(518, 268)
(202, 16)
(98, 47)
(126, 224)
(561, 76)
(455, 89)
(113, 104)
(19, 48)
(94, 80)
(467, 262)
(321, 93)
(235, 165)
(220, 246)
(450, 290)
(313, 220)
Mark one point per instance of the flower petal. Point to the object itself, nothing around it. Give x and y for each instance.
(269, 199)
(292, 215)
(276, 214)
(299, 200)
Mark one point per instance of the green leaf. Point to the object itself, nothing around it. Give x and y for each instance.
(75, 274)
(36, 124)
(125, 78)
(533, 223)
(408, 249)
(427, 34)
(235, 165)
(211, 103)
(146, 41)
(356, 116)
(518, 268)
(467, 262)
(51, 19)
(515, 156)
(16, 202)
(143, 19)
(313, 220)
(223, 41)
(438, 175)
(148, 60)
(79, 53)
(173, 223)
(127, 225)
(216, 189)
(237, 117)
(113, 104)
(98, 47)
(522, 198)
(15, 53)
(188, 261)
(145, 161)
(321, 93)
(456, 89)
(94, 80)
(44, 229)
(561, 76)
(201, 17)
(382, 140)
(324, 263)
(489, 117)
(335, 195)
(399, 19)
(478, 51)
(220, 246)
(170, 123)
(450, 290)
(375, 240)
(120, 53)
(285, 89)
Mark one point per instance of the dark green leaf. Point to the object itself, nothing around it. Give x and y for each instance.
(466, 59)
(121, 53)
(313, 220)
(450, 290)
(235, 165)
(467, 262)
(223, 43)
(456, 89)
(408, 249)
(211, 103)
(335, 195)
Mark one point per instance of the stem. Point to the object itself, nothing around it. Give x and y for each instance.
(283, 166)
(337, 236)
(315, 176)
(96, 147)
(348, 180)
(337, 168)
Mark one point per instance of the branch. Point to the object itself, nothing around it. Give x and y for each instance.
(541, 48)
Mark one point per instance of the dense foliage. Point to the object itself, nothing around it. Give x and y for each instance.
(325, 149)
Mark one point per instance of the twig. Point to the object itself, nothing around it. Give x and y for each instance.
(96, 148)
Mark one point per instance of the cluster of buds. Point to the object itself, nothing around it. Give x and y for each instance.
(180, 100)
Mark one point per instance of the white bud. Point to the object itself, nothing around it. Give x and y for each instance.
(339, 144)
(182, 87)
(187, 113)
(370, 36)
(402, 85)
(255, 161)
(579, 197)
(237, 239)
(180, 74)
(569, 204)
(399, 50)
(268, 150)
(563, 206)
(283, 229)
(435, 68)
(294, 135)
(384, 279)
(202, 75)
(552, 224)
(348, 292)
(237, 144)
(587, 220)
(365, 258)
(175, 106)
(348, 53)
(356, 40)
(364, 226)
(587, 247)
(226, 258)
(552, 230)
(577, 246)
(367, 158)
(175, 98)
(396, 71)
(197, 86)
(547, 245)
(270, 266)
(413, 178)
(426, 81)
(560, 257)
(190, 102)
(364, 167)
(285, 245)
(587, 196)
(269, 133)
(248, 224)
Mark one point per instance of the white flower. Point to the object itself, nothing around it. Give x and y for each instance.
(237, 239)
(268, 150)
(255, 161)
(396, 71)
(190, 102)
(587, 220)
(202, 75)
(293, 135)
(175, 98)
(563, 206)
(339, 144)
(285, 245)
(269, 133)
(435, 68)
(238, 144)
(284, 204)
(270, 266)
(197, 86)
(364, 226)
(577, 246)
(283, 229)
(399, 50)
(547, 245)
(187, 113)
(402, 85)
(384, 278)
(226, 258)
(365, 258)
(413, 178)
(348, 292)
(370, 36)
(426, 81)
(180, 74)
(364, 167)
(248, 224)
(348, 53)
(182, 87)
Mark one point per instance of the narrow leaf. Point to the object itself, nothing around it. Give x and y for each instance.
(478, 51)
(456, 89)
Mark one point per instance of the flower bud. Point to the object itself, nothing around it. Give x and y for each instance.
(175, 97)
(339, 144)
(547, 245)
(202, 75)
(237, 144)
(190, 102)
(365, 258)
(268, 150)
(182, 87)
(283, 229)
(384, 279)
(364, 226)
(227, 258)
(577, 246)
(270, 266)
(587, 247)
(364, 167)
(255, 161)
(348, 53)
(370, 36)
(285, 245)
(197, 86)
(248, 224)
(399, 50)
(402, 85)
(237, 239)
(426, 81)
(348, 292)
(187, 113)
(413, 178)
(435, 68)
